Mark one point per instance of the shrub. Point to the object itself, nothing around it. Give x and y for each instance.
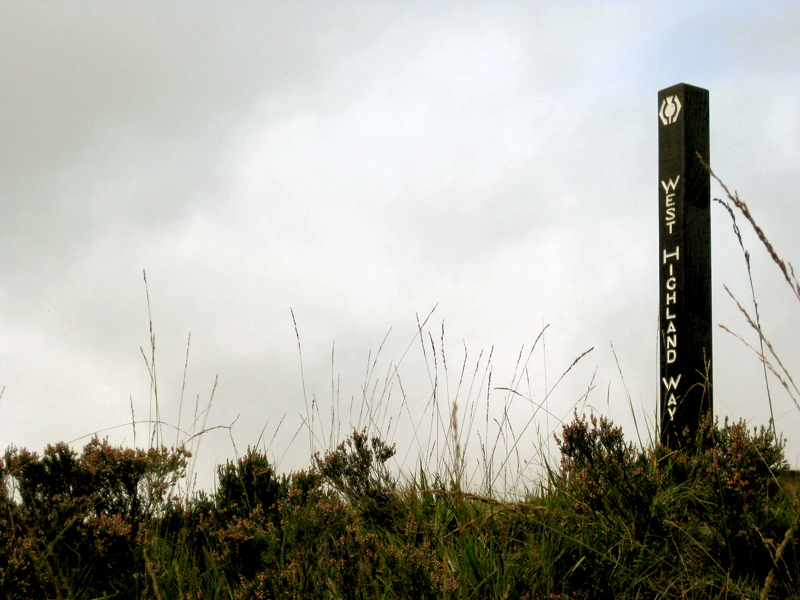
(357, 470)
(357, 466)
(735, 472)
(75, 527)
(248, 483)
(661, 515)
(606, 477)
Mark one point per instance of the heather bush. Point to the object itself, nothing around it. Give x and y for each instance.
(735, 472)
(357, 466)
(76, 524)
(267, 533)
(608, 478)
(655, 515)
(614, 520)
(357, 470)
(248, 483)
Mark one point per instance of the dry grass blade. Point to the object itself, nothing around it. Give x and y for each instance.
(183, 385)
(476, 497)
(152, 575)
(156, 436)
(302, 379)
(695, 543)
(113, 427)
(765, 360)
(133, 420)
(771, 575)
(627, 394)
(517, 439)
(788, 271)
(762, 338)
(746, 254)
(203, 429)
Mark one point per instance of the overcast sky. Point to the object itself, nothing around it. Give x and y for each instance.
(359, 164)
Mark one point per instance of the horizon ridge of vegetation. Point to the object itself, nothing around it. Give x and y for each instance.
(606, 518)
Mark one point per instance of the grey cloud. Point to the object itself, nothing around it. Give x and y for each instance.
(359, 165)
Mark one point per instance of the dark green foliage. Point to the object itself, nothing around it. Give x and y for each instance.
(80, 515)
(248, 483)
(613, 521)
(735, 474)
(357, 466)
(357, 470)
(608, 478)
(654, 512)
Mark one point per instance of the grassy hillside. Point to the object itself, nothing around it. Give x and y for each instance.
(611, 521)
(608, 518)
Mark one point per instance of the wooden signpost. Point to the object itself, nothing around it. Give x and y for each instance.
(684, 258)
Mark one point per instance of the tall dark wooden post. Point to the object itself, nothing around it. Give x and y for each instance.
(684, 259)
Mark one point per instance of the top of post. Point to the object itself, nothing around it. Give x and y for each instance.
(673, 100)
